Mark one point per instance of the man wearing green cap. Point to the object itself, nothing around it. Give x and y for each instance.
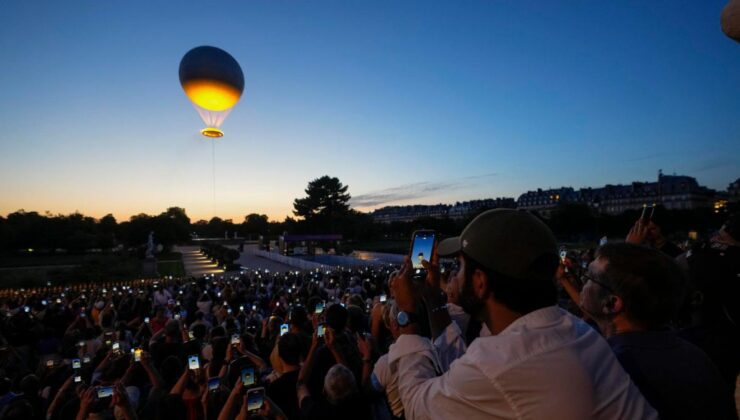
(540, 361)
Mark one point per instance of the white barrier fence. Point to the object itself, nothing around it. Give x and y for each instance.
(358, 259)
(290, 261)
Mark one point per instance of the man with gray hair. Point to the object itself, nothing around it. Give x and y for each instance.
(339, 385)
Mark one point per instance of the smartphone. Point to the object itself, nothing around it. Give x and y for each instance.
(422, 247)
(319, 307)
(248, 376)
(283, 329)
(50, 364)
(146, 320)
(86, 359)
(193, 362)
(116, 346)
(105, 392)
(383, 298)
(78, 379)
(643, 216)
(137, 355)
(76, 364)
(26, 309)
(177, 316)
(235, 339)
(255, 399)
(213, 383)
(321, 330)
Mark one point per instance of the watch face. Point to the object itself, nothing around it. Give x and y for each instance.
(403, 319)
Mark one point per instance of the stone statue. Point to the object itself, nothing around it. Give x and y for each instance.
(150, 245)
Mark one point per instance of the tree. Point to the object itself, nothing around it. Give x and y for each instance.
(326, 201)
(256, 224)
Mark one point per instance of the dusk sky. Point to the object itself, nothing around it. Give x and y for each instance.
(405, 102)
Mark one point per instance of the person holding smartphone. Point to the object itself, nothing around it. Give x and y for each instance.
(506, 266)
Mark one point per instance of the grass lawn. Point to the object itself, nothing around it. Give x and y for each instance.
(171, 268)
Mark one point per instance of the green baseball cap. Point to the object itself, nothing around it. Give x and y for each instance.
(504, 240)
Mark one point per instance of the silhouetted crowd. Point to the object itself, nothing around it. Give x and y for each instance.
(501, 323)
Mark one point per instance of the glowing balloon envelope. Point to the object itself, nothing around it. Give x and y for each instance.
(730, 20)
(214, 82)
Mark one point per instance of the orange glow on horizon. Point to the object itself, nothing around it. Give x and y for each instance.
(212, 95)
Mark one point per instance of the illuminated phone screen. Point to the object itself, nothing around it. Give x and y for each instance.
(422, 248)
(248, 376)
(255, 398)
(193, 362)
(105, 391)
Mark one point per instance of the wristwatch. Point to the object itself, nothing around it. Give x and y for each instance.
(405, 318)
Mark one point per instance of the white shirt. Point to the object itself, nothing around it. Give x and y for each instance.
(384, 380)
(547, 364)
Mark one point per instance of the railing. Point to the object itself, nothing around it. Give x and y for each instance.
(290, 261)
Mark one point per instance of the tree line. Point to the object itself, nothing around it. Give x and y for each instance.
(324, 209)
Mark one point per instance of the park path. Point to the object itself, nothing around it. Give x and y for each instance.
(249, 260)
(196, 264)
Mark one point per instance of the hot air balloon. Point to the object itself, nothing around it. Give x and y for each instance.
(214, 82)
(730, 20)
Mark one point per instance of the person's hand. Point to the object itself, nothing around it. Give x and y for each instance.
(639, 233)
(87, 399)
(68, 383)
(315, 320)
(434, 277)
(270, 409)
(405, 291)
(330, 337)
(229, 352)
(120, 396)
(363, 344)
(238, 387)
(146, 359)
(564, 272)
(655, 235)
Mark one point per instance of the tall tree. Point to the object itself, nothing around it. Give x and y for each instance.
(256, 224)
(326, 198)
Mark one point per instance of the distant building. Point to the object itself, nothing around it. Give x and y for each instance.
(733, 191)
(674, 192)
(391, 214)
(543, 200)
(468, 208)
(459, 210)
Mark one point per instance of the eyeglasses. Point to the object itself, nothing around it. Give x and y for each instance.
(587, 277)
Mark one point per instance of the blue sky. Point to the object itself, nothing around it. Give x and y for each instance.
(406, 102)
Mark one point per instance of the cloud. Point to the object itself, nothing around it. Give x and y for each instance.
(649, 157)
(712, 164)
(413, 191)
(488, 175)
(401, 192)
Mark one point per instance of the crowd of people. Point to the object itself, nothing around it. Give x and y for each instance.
(501, 323)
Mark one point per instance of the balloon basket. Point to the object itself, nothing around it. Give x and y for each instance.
(212, 132)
